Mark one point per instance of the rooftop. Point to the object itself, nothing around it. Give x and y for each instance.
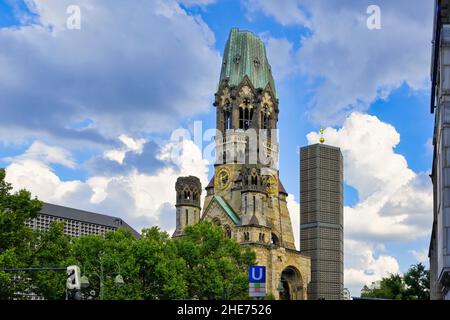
(85, 216)
(245, 55)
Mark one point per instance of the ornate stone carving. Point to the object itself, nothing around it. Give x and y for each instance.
(246, 96)
(267, 104)
(271, 184)
(225, 98)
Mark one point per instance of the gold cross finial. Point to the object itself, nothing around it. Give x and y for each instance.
(322, 139)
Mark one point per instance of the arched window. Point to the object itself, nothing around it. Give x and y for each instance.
(245, 203)
(245, 115)
(227, 119)
(246, 236)
(248, 115)
(194, 195)
(254, 179)
(275, 240)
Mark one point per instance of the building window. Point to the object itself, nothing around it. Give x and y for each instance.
(245, 115)
(262, 237)
(265, 120)
(254, 178)
(275, 240)
(227, 117)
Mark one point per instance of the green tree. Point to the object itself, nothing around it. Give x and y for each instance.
(417, 280)
(162, 271)
(103, 258)
(217, 266)
(391, 287)
(413, 285)
(15, 237)
(50, 249)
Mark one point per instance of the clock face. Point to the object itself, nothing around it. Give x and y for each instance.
(271, 184)
(223, 178)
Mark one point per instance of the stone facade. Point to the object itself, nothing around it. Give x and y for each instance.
(439, 251)
(189, 190)
(245, 195)
(321, 219)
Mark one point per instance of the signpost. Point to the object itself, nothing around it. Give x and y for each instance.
(257, 281)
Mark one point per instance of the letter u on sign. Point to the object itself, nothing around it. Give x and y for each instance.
(257, 274)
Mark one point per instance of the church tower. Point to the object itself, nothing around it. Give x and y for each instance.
(189, 190)
(245, 196)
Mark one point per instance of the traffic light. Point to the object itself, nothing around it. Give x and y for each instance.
(73, 279)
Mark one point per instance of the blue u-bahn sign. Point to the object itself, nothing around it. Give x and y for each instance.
(257, 274)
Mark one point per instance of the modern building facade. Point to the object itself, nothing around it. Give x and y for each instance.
(77, 222)
(245, 196)
(439, 252)
(321, 219)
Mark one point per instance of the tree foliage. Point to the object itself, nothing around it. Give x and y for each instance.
(203, 264)
(15, 237)
(50, 250)
(217, 266)
(413, 285)
(417, 280)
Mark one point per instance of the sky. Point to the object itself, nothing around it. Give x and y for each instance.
(91, 112)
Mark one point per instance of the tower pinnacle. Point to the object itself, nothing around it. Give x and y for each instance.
(245, 55)
(322, 139)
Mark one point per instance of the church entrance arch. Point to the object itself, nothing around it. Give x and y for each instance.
(291, 284)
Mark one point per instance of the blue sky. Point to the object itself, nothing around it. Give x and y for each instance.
(88, 113)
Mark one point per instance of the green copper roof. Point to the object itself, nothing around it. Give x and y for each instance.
(245, 54)
(227, 209)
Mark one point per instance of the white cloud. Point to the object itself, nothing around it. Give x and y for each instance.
(294, 211)
(133, 67)
(280, 53)
(197, 2)
(47, 154)
(129, 145)
(364, 267)
(40, 179)
(356, 66)
(395, 202)
(140, 199)
(287, 12)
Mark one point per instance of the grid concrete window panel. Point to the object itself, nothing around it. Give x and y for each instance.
(76, 222)
(321, 218)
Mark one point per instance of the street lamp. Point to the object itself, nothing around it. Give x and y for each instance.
(118, 280)
(84, 282)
